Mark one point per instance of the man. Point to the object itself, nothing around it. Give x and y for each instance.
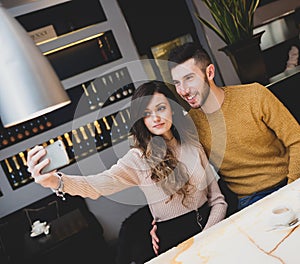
(250, 137)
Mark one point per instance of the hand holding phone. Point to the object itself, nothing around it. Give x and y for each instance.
(58, 156)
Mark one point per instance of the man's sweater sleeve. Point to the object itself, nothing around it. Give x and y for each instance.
(286, 127)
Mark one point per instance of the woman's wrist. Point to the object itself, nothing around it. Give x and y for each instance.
(59, 190)
(55, 181)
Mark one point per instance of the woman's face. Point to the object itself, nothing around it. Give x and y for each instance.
(158, 116)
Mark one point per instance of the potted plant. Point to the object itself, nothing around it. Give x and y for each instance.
(234, 20)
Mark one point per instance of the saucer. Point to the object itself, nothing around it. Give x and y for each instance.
(285, 227)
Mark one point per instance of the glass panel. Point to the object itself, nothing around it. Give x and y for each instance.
(65, 17)
(84, 55)
(161, 52)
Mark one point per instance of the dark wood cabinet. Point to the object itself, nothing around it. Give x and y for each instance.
(75, 234)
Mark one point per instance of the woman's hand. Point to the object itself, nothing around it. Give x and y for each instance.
(50, 180)
(155, 239)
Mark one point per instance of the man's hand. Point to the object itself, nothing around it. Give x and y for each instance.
(155, 239)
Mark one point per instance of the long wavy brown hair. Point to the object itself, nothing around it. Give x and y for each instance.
(166, 170)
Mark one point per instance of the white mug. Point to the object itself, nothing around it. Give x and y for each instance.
(282, 215)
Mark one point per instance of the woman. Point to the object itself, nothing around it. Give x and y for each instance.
(166, 161)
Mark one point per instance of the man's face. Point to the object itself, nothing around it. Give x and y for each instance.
(191, 83)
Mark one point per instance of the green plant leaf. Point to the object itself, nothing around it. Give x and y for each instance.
(211, 26)
(234, 18)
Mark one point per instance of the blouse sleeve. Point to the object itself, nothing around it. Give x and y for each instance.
(216, 199)
(218, 204)
(124, 174)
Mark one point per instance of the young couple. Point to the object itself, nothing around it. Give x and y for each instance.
(247, 133)
(166, 161)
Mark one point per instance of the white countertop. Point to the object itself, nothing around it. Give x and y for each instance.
(245, 237)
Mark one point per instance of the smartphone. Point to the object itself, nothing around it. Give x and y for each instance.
(58, 156)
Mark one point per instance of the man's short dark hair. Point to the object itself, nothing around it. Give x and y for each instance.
(189, 50)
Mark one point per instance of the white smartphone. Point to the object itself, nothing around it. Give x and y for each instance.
(58, 156)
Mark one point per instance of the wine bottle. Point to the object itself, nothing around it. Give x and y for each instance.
(111, 98)
(40, 125)
(101, 143)
(18, 134)
(26, 131)
(112, 53)
(102, 50)
(87, 143)
(33, 128)
(117, 93)
(69, 146)
(107, 130)
(4, 140)
(22, 156)
(78, 148)
(22, 176)
(121, 83)
(47, 122)
(124, 128)
(51, 141)
(90, 103)
(116, 132)
(98, 99)
(92, 137)
(11, 137)
(126, 82)
(13, 179)
(24, 166)
(128, 113)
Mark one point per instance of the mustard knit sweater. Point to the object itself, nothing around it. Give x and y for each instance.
(253, 140)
